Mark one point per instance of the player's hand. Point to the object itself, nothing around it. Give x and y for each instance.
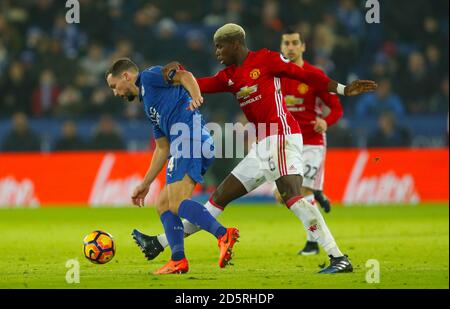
(195, 103)
(139, 194)
(360, 86)
(320, 125)
(174, 65)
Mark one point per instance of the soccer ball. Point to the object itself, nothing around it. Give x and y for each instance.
(99, 247)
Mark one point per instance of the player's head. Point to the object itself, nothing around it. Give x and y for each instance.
(121, 78)
(292, 45)
(229, 40)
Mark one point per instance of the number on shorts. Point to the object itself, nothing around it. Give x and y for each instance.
(311, 172)
(170, 165)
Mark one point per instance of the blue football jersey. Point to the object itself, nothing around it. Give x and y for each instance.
(165, 105)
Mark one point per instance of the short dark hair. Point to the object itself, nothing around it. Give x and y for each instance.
(292, 30)
(121, 65)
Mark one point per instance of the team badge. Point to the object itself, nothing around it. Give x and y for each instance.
(303, 88)
(254, 74)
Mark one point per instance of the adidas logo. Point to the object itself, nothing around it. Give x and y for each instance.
(341, 265)
(230, 82)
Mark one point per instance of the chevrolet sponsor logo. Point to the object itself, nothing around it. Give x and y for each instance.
(246, 91)
(292, 100)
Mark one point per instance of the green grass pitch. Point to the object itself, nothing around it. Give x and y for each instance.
(411, 244)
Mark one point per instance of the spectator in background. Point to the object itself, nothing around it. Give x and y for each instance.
(70, 103)
(389, 134)
(68, 35)
(416, 84)
(373, 104)
(351, 17)
(69, 140)
(107, 136)
(94, 64)
(14, 94)
(195, 56)
(101, 101)
(3, 58)
(45, 97)
(340, 135)
(167, 44)
(439, 102)
(144, 21)
(21, 138)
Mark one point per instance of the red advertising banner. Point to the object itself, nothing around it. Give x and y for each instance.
(75, 179)
(351, 177)
(382, 176)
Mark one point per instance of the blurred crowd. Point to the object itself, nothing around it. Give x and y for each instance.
(49, 68)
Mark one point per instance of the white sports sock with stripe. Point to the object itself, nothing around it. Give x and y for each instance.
(190, 228)
(313, 221)
(312, 201)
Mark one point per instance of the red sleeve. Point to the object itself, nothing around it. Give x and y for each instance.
(213, 84)
(280, 66)
(334, 103)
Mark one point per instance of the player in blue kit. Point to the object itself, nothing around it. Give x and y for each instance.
(182, 139)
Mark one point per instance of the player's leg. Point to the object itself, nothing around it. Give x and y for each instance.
(313, 156)
(289, 183)
(290, 190)
(196, 214)
(311, 247)
(152, 246)
(245, 177)
(173, 228)
(230, 189)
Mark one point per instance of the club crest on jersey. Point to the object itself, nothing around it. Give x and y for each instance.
(246, 91)
(254, 74)
(303, 88)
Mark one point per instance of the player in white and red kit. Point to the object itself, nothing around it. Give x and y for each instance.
(305, 103)
(254, 79)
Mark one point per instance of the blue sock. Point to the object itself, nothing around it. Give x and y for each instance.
(198, 215)
(175, 234)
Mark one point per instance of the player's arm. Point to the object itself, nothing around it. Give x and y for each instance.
(213, 84)
(175, 74)
(188, 81)
(334, 103)
(284, 68)
(158, 161)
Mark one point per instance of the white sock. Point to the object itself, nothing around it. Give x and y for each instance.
(190, 228)
(313, 221)
(309, 235)
(163, 240)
